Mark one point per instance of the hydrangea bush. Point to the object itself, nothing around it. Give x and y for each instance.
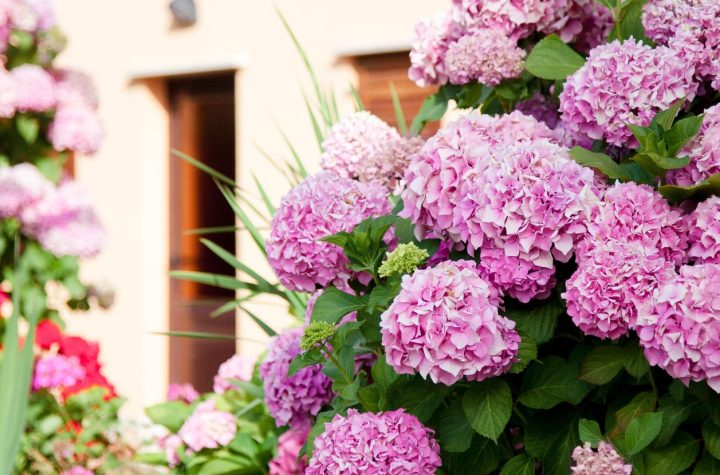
(539, 290)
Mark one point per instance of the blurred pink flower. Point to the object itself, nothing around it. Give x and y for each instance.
(208, 428)
(236, 368)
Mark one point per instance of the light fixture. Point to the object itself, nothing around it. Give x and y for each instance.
(184, 12)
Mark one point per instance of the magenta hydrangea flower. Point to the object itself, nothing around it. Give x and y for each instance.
(541, 108)
(322, 205)
(77, 470)
(208, 427)
(182, 392)
(236, 368)
(65, 223)
(515, 276)
(612, 279)
(679, 327)
(363, 147)
(375, 444)
(703, 150)
(704, 232)
(486, 56)
(515, 19)
(620, 84)
(57, 371)
(603, 461)
(286, 461)
(75, 89)
(637, 213)
(76, 128)
(292, 400)
(690, 27)
(445, 324)
(21, 186)
(530, 200)
(34, 88)
(436, 177)
(427, 56)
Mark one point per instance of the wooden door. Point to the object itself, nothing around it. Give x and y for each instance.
(202, 125)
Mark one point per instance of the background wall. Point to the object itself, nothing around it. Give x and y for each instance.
(125, 46)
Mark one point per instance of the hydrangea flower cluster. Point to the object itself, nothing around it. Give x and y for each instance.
(704, 232)
(21, 186)
(603, 461)
(292, 400)
(208, 427)
(612, 279)
(692, 28)
(636, 82)
(363, 147)
(679, 327)
(57, 371)
(375, 444)
(322, 205)
(182, 392)
(287, 461)
(515, 276)
(445, 324)
(77, 471)
(636, 213)
(703, 150)
(458, 45)
(33, 88)
(236, 368)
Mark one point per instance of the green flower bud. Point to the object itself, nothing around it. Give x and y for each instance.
(316, 333)
(403, 260)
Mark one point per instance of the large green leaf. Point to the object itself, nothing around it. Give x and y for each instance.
(602, 364)
(642, 403)
(706, 188)
(333, 304)
(433, 108)
(552, 59)
(599, 161)
(171, 414)
(453, 429)
(589, 431)
(480, 459)
(537, 319)
(551, 437)
(550, 381)
(708, 465)
(418, 397)
(673, 458)
(488, 406)
(711, 436)
(519, 465)
(642, 431)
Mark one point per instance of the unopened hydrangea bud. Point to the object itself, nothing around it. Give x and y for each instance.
(403, 260)
(316, 333)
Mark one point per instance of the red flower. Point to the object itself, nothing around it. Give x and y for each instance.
(47, 334)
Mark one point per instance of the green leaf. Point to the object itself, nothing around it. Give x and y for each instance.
(682, 132)
(673, 458)
(28, 127)
(480, 459)
(303, 360)
(519, 465)
(666, 118)
(552, 59)
(602, 364)
(590, 432)
(642, 431)
(538, 320)
(673, 416)
(333, 304)
(635, 362)
(599, 161)
(317, 429)
(699, 192)
(433, 108)
(551, 437)
(658, 164)
(488, 406)
(418, 397)
(399, 115)
(711, 436)
(215, 280)
(707, 466)
(642, 403)
(527, 352)
(453, 429)
(171, 414)
(226, 466)
(258, 321)
(383, 375)
(628, 23)
(550, 381)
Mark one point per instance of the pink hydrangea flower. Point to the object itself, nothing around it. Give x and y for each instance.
(311, 306)
(541, 108)
(637, 213)
(530, 200)
(57, 371)
(445, 324)
(515, 19)
(208, 427)
(34, 88)
(76, 128)
(182, 392)
(435, 179)
(514, 275)
(585, 23)
(75, 89)
(603, 461)
(33, 15)
(636, 82)
(690, 27)
(703, 150)
(7, 93)
(286, 460)
(236, 368)
(679, 327)
(65, 223)
(363, 147)
(322, 205)
(375, 444)
(486, 56)
(171, 444)
(292, 400)
(612, 279)
(77, 471)
(427, 56)
(20, 187)
(704, 232)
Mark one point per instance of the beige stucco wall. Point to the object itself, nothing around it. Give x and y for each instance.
(117, 41)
